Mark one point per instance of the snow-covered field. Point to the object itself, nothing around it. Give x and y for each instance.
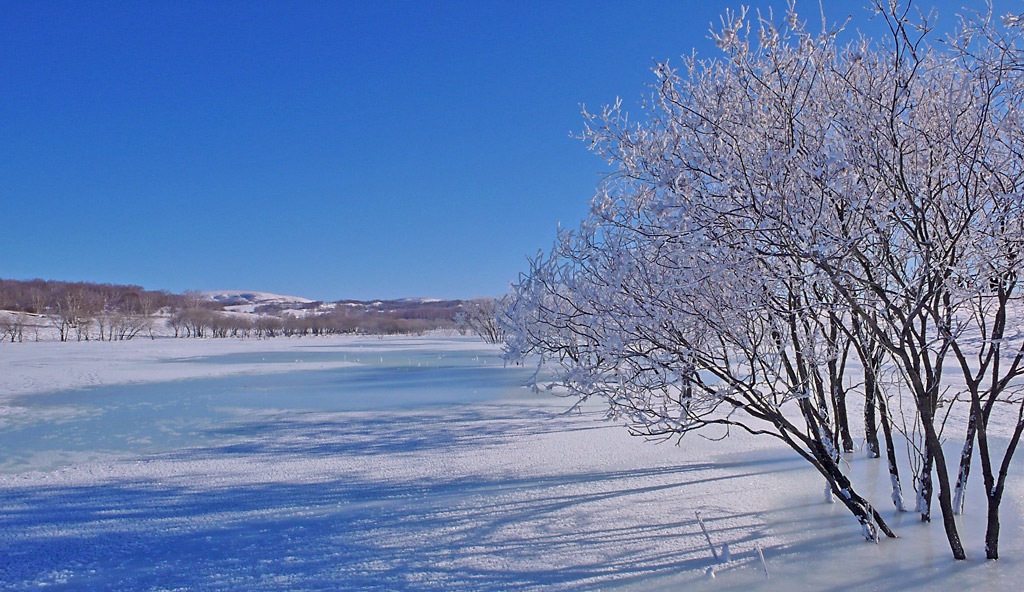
(464, 488)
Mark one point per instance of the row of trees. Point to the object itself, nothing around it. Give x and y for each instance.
(80, 309)
(385, 317)
(790, 211)
(203, 322)
(107, 312)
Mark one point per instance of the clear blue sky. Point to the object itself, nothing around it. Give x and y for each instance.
(370, 149)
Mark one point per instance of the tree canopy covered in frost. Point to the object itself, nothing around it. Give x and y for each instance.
(785, 211)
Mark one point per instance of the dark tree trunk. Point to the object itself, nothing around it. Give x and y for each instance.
(995, 484)
(992, 528)
(945, 498)
(871, 394)
(890, 453)
(870, 520)
(836, 369)
(924, 486)
(960, 493)
(842, 417)
(866, 514)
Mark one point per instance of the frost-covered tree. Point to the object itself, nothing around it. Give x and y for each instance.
(985, 296)
(480, 316)
(783, 208)
(928, 263)
(679, 301)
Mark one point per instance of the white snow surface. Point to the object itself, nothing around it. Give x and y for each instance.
(44, 366)
(508, 494)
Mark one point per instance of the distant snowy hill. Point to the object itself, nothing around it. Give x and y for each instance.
(247, 301)
(233, 297)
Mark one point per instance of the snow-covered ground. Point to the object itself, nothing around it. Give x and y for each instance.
(503, 492)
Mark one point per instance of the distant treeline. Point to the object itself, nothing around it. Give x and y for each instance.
(39, 296)
(392, 317)
(86, 311)
(105, 312)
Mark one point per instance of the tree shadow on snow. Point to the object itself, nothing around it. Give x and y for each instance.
(581, 529)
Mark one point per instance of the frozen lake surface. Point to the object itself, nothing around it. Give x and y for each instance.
(408, 464)
(157, 416)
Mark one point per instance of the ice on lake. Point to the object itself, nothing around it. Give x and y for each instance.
(158, 416)
(407, 464)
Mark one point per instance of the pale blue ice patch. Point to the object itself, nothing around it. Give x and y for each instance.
(153, 417)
